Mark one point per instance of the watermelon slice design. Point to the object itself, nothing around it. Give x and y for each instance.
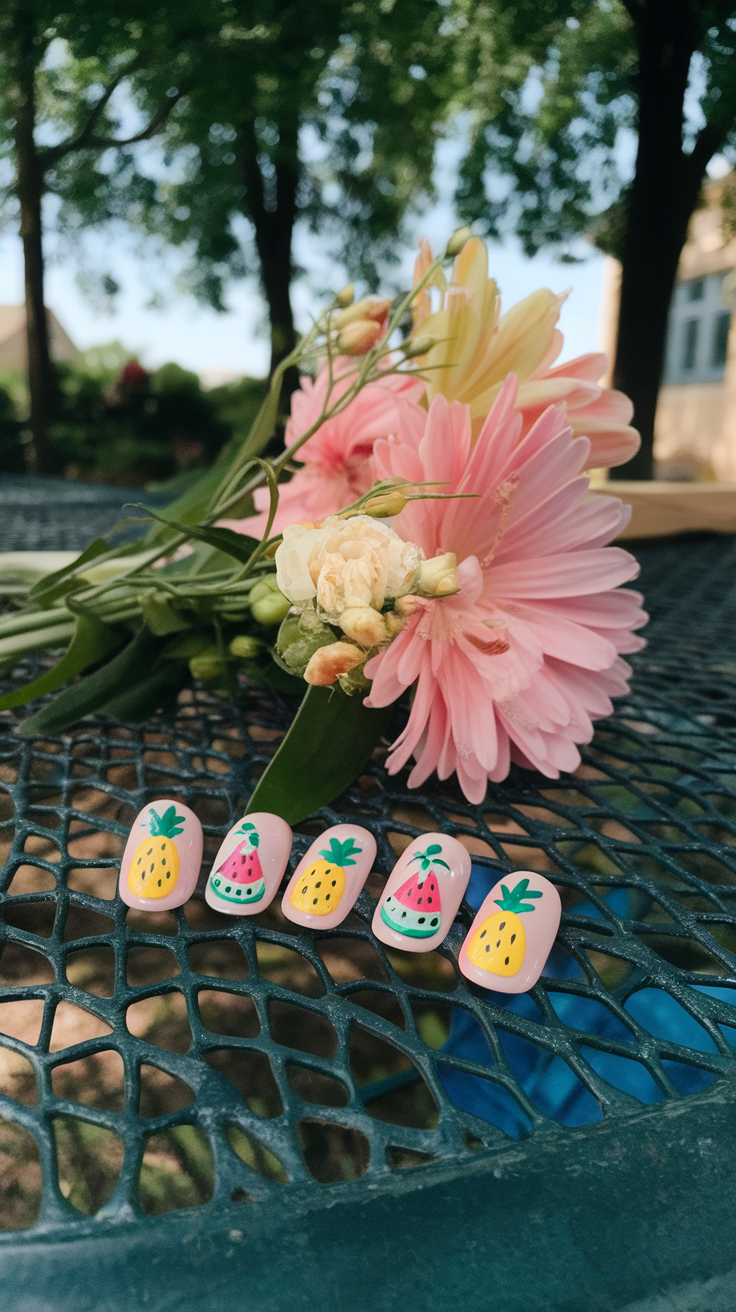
(240, 877)
(415, 909)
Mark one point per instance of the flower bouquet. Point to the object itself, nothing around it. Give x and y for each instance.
(427, 534)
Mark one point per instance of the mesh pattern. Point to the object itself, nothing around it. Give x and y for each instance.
(223, 1059)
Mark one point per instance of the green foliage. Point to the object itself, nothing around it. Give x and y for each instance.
(553, 92)
(124, 425)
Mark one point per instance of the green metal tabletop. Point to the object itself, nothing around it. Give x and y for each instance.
(197, 1111)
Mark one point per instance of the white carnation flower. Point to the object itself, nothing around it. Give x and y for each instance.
(346, 563)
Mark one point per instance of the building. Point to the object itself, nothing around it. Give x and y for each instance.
(695, 429)
(13, 349)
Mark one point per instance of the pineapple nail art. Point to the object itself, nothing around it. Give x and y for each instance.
(249, 865)
(423, 894)
(154, 871)
(162, 857)
(503, 951)
(322, 885)
(329, 878)
(500, 943)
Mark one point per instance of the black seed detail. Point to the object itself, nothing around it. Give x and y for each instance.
(403, 915)
(315, 900)
(242, 859)
(229, 888)
(485, 931)
(304, 889)
(433, 922)
(327, 897)
(513, 936)
(498, 943)
(488, 947)
(153, 866)
(159, 883)
(419, 901)
(506, 962)
(422, 920)
(318, 884)
(163, 860)
(138, 861)
(502, 925)
(334, 882)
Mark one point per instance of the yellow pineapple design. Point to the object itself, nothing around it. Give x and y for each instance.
(499, 944)
(323, 883)
(154, 869)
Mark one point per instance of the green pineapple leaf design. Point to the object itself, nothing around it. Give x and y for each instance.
(429, 858)
(514, 900)
(168, 825)
(342, 853)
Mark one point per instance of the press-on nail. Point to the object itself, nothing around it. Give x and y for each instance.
(422, 894)
(328, 879)
(162, 857)
(248, 868)
(512, 934)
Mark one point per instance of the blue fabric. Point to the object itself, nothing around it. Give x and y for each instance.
(549, 1083)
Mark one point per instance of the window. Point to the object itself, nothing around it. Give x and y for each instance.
(719, 341)
(690, 331)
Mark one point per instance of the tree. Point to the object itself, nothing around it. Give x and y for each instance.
(326, 113)
(557, 91)
(62, 75)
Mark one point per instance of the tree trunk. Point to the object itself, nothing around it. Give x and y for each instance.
(30, 189)
(663, 196)
(271, 188)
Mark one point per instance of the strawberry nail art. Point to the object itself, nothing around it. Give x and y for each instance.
(512, 934)
(162, 857)
(328, 879)
(249, 866)
(422, 894)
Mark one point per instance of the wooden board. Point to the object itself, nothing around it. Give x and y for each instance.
(660, 508)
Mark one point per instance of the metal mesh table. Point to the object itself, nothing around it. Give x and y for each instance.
(199, 1110)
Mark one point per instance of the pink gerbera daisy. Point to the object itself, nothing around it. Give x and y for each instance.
(338, 458)
(517, 665)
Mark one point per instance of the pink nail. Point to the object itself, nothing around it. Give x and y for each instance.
(162, 857)
(328, 879)
(512, 935)
(422, 894)
(247, 870)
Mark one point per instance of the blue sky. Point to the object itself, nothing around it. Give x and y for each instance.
(180, 329)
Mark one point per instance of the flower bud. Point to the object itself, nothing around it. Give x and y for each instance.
(407, 605)
(207, 665)
(370, 307)
(417, 346)
(458, 239)
(384, 504)
(268, 605)
(298, 641)
(358, 337)
(345, 297)
(364, 625)
(245, 646)
(327, 664)
(438, 576)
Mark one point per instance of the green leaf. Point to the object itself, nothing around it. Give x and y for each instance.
(157, 690)
(91, 693)
(327, 746)
(92, 640)
(56, 585)
(433, 849)
(224, 539)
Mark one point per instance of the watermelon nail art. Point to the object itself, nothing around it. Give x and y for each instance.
(423, 894)
(249, 865)
(327, 881)
(503, 951)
